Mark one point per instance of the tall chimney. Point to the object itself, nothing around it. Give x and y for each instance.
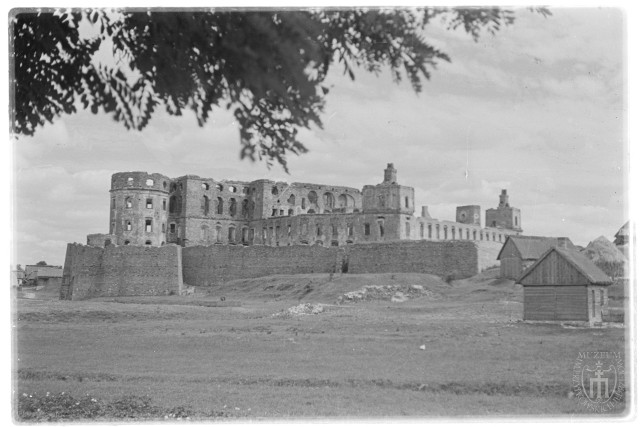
(504, 199)
(390, 174)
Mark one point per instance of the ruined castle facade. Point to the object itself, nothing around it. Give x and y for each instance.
(153, 209)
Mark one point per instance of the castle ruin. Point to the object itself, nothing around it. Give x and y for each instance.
(153, 210)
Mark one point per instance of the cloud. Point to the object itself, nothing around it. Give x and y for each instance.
(538, 109)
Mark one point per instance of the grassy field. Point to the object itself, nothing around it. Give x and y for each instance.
(438, 350)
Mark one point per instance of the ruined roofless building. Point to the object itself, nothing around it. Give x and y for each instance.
(153, 209)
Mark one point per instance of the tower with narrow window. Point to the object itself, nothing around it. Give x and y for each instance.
(389, 196)
(469, 214)
(139, 207)
(504, 216)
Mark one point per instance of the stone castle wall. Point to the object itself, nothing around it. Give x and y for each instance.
(213, 265)
(216, 264)
(121, 271)
(143, 270)
(445, 259)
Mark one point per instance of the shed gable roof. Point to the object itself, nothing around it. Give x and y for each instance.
(35, 271)
(532, 247)
(584, 265)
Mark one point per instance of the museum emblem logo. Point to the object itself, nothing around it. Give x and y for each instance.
(598, 380)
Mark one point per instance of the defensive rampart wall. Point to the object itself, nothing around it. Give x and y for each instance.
(148, 270)
(212, 265)
(121, 271)
(455, 259)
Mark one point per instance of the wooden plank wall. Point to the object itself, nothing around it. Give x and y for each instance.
(571, 303)
(554, 270)
(509, 250)
(555, 303)
(510, 268)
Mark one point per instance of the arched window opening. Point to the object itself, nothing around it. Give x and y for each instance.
(205, 205)
(313, 197)
(128, 203)
(245, 208)
(232, 207)
(219, 206)
(205, 186)
(274, 190)
(149, 182)
(291, 200)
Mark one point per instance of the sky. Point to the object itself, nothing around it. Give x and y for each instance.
(539, 109)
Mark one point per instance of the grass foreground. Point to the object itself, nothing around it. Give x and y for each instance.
(409, 345)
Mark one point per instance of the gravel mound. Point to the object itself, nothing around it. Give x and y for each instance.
(393, 293)
(300, 310)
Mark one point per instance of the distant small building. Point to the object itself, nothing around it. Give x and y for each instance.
(519, 252)
(564, 285)
(622, 236)
(17, 276)
(622, 239)
(42, 275)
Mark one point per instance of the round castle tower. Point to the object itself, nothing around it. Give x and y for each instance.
(139, 206)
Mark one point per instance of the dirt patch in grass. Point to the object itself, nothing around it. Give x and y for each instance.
(86, 316)
(37, 375)
(65, 407)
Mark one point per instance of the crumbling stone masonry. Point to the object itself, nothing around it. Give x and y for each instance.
(121, 271)
(141, 270)
(153, 210)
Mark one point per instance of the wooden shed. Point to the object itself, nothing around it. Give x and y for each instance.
(564, 285)
(519, 252)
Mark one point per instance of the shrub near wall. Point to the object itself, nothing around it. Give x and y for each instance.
(210, 265)
(455, 259)
(121, 271)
